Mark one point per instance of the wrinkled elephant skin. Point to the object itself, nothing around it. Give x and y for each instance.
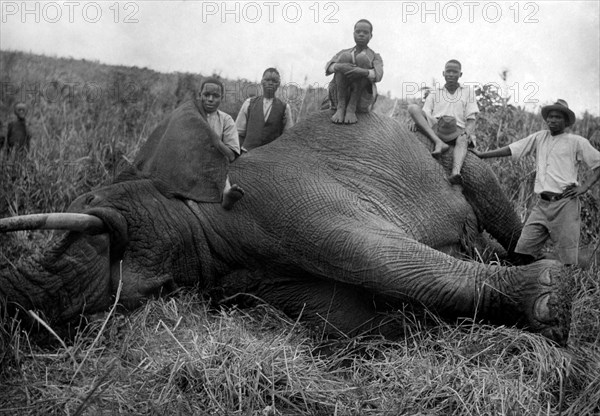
(338, 224)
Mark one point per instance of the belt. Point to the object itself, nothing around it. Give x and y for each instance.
(551, 196)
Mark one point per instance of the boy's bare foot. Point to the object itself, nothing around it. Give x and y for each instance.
(350, 117)
(439, 149)
(232, 195)
(338, 117)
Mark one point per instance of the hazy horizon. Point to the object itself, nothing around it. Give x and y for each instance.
(551, 49)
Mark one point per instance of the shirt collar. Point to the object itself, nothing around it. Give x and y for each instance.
(443, 87)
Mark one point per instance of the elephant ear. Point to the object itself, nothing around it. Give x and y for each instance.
(181, 154)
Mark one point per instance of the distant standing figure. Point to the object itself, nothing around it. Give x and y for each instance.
(18, 138)
(558, 155)
(264, 118)
(356, 71)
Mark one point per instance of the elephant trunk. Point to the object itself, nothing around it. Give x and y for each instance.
(72, 278)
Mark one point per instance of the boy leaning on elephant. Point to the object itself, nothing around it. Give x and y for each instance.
(558, 154)
(211, 93)
(192, 148)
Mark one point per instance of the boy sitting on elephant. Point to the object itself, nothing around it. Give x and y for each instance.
(356, 71)
(458, 105)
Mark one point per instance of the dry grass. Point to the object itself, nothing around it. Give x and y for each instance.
(181, 356)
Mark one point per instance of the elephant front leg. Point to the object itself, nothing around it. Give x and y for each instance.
(330, 308)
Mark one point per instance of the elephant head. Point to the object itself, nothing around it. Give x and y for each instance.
(339, 224)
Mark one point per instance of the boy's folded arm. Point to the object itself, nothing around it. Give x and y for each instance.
(378, 68)
(329, 66)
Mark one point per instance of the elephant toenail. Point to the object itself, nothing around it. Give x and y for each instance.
(541, 310)
(545, 278)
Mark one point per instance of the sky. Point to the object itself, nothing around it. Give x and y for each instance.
(551, 49)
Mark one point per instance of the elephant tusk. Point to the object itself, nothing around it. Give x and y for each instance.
(57, 221)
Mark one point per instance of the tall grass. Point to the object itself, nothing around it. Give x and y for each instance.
(177, 356)
(182, 355)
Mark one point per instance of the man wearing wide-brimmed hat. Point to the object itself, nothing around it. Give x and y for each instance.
(558, 155)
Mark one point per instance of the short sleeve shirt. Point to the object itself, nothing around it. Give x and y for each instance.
(223, 124)
(557, 158)
(461, 104)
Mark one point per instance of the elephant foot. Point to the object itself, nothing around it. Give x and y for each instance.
(546, 290)
(232, 195)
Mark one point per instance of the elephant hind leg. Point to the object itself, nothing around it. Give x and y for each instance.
(332, 309)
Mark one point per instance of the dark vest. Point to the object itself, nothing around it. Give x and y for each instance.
(258, 131)
(18, 135)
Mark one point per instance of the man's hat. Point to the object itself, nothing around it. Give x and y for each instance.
(446, 128)
(563, 107)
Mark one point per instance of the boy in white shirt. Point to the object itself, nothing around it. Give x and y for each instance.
(452, 100)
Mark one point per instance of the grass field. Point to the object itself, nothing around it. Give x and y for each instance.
(179, 356)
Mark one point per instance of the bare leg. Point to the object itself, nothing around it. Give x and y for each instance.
(341, 84)
(460, 152)
(231, 194)
(357, 89)
(341, 87)
(419, 118)
(360, 88)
